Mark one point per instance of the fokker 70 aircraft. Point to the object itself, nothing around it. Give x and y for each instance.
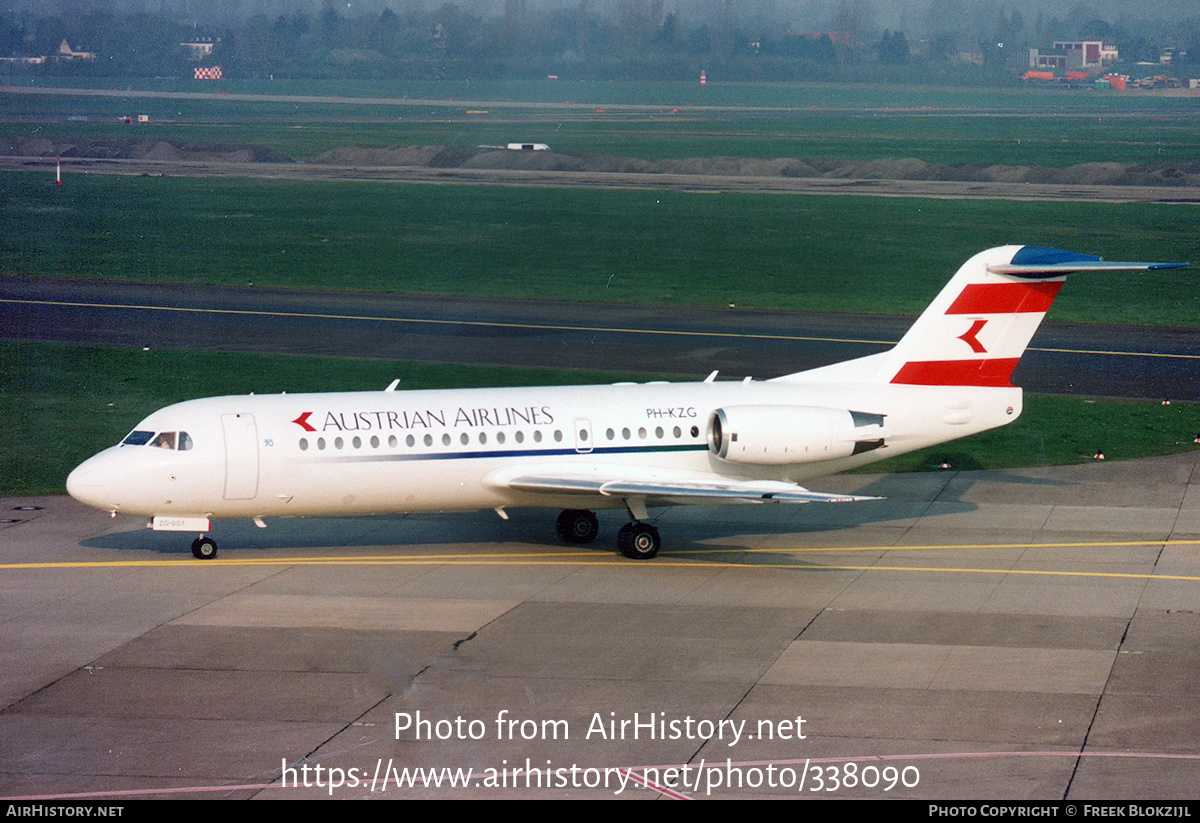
(580, 448)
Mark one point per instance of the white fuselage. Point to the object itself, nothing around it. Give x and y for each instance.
(386, 451)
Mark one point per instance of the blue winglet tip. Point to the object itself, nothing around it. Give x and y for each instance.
(1043, 256)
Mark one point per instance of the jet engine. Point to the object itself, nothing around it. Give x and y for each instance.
(784, 435)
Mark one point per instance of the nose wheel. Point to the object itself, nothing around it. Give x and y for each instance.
(204, 548)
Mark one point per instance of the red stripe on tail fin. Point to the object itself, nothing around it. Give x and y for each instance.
(995, 372)
(1005, 298)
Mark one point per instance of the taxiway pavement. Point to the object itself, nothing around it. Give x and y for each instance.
(1020, 634)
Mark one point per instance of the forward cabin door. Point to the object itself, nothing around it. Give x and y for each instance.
(241, 456)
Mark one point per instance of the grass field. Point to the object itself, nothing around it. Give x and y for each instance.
(813, 253)
(1025, 126)
(63, 403)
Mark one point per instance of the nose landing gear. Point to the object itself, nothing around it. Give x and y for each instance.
(204, 548)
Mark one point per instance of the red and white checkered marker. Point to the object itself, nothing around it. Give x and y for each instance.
(208, 73)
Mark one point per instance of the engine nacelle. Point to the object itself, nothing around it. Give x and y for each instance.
(785, 435)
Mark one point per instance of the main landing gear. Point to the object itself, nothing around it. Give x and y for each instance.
(204, 548)
(577, 526)
(636, 540)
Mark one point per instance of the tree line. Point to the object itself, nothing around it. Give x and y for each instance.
(639, 41)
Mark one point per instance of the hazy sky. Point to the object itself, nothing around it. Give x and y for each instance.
(915, 17)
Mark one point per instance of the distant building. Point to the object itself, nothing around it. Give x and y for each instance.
(200, 47)
(1074, 54)
(65, 52)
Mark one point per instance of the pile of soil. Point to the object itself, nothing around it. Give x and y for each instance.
(908, 168)
(485, 157)
(133, 149)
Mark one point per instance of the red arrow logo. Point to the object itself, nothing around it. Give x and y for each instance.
(302, 422)
(971, 340)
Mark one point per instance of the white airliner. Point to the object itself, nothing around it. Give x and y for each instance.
(580, 448)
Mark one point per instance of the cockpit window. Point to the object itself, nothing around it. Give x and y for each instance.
(181, 441)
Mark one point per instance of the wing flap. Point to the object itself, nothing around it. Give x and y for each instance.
(694, 490)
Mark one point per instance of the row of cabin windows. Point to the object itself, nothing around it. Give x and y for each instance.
(642, 433)
(500, 437)
(410, 440)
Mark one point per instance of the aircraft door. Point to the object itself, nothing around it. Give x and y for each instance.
(241, 456)
(583, 435)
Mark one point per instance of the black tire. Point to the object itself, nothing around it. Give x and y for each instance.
(204, 548)
(577, 526)
(638, 541)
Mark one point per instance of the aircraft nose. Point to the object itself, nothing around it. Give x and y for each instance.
(88, 484)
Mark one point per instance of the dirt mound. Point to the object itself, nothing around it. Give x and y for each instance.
(495, 158)
(136, 149)
(524, 161)
(607, 163)
(433, 157)
(162, 150)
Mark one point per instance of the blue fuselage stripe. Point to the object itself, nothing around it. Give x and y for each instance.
(508, 453)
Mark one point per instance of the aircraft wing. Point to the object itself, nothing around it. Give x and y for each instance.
(678, 489)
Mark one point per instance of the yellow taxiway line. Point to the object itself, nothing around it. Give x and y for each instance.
(592, 558)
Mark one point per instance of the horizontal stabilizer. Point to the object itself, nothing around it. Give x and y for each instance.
(1040, 262)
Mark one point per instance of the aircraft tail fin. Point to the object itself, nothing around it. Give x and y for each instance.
(977, 328)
